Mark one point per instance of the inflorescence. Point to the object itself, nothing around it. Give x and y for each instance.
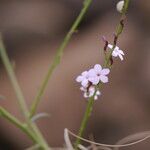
(93, 77)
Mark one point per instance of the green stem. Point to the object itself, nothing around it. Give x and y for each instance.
(119, 30)
(85, 119)
(13, 79)
(4, 113)
(106, 64)
(41, 141)
(58, 56)
(20, 97)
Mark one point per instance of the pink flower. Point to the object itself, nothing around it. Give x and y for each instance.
(98, 74)
(89, 79)
(83, 78)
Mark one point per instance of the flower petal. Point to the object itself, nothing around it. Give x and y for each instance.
(115, 53)
(95, 97)
(91, 73)
(94, 80)
(121, 52)
(105, 71)
(98, 93)
(116, 48)
(92, 89)
(84, 73)
(97, 68)
(85, 95)
(84, 83)
(104, 78)
(79, 78)
(121, 57)
(82, 88)
(110, 46)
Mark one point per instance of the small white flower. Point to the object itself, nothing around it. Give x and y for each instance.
(116, 52)
(100, 75)
(83, 78)
(120, 5)
(98, 93)
(90, 92)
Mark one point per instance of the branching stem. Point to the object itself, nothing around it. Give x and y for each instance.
(32, 128)
(106, 64)
(58, 56)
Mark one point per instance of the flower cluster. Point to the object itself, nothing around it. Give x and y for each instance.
(89, 79)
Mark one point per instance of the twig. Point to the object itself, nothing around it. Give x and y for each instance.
(21, 100)
(106, 64)
(58, 56)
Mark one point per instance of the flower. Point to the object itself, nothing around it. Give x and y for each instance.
(83, 78)
(98, 74)
(120, 5)
(89, 79)
(116, 52)
(90, 92)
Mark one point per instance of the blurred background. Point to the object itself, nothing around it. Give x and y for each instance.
(33, 29)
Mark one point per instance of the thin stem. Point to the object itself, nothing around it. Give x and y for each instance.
(106, 64)
(119, 30)
(58, 56)
(13, 79)
(20, 97)
(4, 113)
(41, 141)
(85, 119)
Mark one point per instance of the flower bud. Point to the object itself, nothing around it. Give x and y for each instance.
(120, 5)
